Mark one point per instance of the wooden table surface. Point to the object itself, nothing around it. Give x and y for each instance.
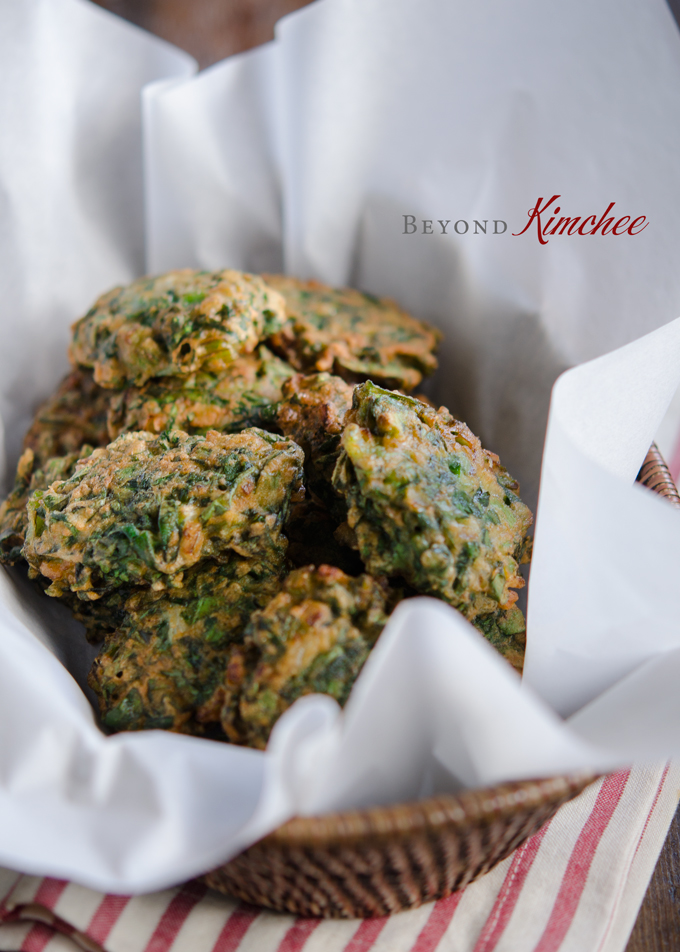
(213, 29)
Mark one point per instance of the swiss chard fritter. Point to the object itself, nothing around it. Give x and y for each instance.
(243, 395)
(29, 478)
(74, 415)
(352, 334)
(145, 508)
(312, 413)
(426, 502)
(175, 323)
(171, 650)
(313, 637)
(506, 631)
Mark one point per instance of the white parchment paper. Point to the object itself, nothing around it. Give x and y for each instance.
(306, 154)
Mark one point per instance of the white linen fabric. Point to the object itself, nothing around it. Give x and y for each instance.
(307, 154)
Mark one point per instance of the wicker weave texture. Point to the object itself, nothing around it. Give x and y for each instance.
(384, 860)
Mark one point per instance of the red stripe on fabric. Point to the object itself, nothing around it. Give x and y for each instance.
(105, 917)
(653, 806)
(235, 928)
(509, 893)
(297, 935)
(580, 861)
(37, 938)
(365, 936)
(637, 847)
(674, 465)
(175, 916)
(437, 923)
(49, 892)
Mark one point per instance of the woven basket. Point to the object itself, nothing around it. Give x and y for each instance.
(386, 859)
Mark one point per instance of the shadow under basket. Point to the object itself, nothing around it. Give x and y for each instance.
(383, 860)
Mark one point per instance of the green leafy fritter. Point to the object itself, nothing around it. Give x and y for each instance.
(74, 415)
(426, 502)
(171, 649)
(241, 396)
(352, 334)
(145, 508)
(29, 478)
(506, 631)
(175, 323)
(313, 637)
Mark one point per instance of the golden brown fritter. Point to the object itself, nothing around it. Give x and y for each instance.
(354, 335)
(144, 509)
(312, 413)
(29, 478)
(313, 637)
(171, 649)
(241, 396)
(175, 324)
(426, 502)
(74, 415)
(506, 630)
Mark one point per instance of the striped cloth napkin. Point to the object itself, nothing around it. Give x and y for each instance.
(575, 887)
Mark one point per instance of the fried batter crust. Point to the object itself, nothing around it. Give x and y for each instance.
(428, 503)
(170, 653)
(175, 323)
(30, 477)
(313, 637)
(74, 415)
(352, 334)
(145, 508)
(241, 396)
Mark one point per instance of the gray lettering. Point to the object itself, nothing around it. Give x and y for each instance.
(457, 230)
(444, 224)
(496, 223)
(427, 226)
(409, 224)
(482, 228)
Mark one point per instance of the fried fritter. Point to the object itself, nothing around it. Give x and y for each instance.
(313, 637)
(145, 508)
(506, 630)
(352, 334)
(29, 478)
(170, 653)
(312, 413)
(427, 503)
(241, 396)
(73, 416)
(175, 323)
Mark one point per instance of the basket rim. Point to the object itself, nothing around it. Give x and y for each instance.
(482, 806)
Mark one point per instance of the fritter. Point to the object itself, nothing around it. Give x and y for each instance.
(241, 396)
(313, 637)
(73, 416)
(144, 509)
(30, 477)
(313, 413)
(427, 503)
(170, 653)
(352, 334)
(506, 630)
(175, 323)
